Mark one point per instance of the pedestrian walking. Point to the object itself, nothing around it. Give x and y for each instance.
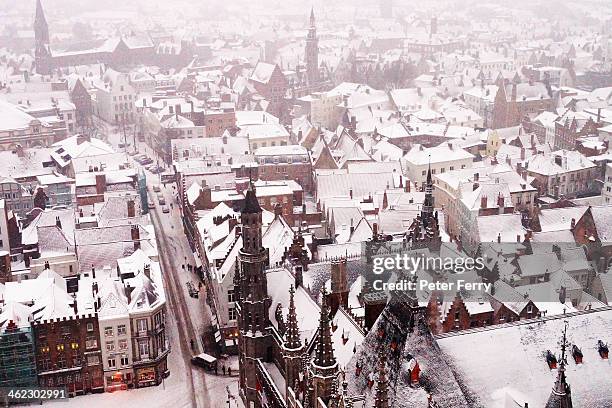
(223, 369)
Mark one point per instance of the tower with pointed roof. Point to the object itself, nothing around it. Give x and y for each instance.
(42, 52)
(312, 52)
(428, 203)
(561, 395)
(323, 368)
(293, 348)
(254, 338)
(425, 228)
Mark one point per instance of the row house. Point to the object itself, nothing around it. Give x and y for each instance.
(285, 163)
(470, 310)
(561, 174)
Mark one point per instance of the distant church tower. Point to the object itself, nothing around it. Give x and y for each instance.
(254, 339)
(42, 52)
(312, 52)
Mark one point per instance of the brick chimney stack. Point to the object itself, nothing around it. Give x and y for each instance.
(100, 183)
(131, 209)
(135, 232)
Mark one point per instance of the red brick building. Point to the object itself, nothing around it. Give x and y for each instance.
(269, 81)
(68, 352)
(285, 163)
(515, 101)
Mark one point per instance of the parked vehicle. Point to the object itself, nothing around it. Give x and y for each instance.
(156, 189)
(165, 210)
(206, 361)
(151, 204)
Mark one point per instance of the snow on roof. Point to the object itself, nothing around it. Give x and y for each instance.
(559, 219)
(506, 226)
(13, 118)
(306, 308)
(560, 161)
(488, 362)
(444, 152)
(16, 313)
(263, 72)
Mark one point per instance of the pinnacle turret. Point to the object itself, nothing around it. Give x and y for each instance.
(324, 355)
(292, 334)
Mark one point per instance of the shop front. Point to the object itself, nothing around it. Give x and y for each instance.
(146, 377)
(118, 380)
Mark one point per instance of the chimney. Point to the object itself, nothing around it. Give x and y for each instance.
(177, 109)
(500, 200)
(408, 186)
(483, 201)
(19, 150)
(100, 183)
(351, 193)
(475, 186)
(171, 110)
(58, 222)
(375, 229)
(128, 292)
(598, 115)
(352, 228)
(499, 237)
(75, 306)
(135, 232)
(476, 176)
(47, 265)
(131, 209)
(562, 294)
(573, 224)
(278, 210)
(522, 153)
(147, 270)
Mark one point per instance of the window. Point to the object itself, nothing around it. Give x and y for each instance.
(111, 363)
(121, 330)
(110, 346)
(143, 349)
(123, 344)
(233, 315)
(90, 327)
(125, 360)
(141, 325)
(93, 359)
(108, 331)
(423, 173)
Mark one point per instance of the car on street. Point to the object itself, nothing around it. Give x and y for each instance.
(165, 210)
(151, 204)
(161, 200)
(146, 161)
(206, 361)
(156, 189)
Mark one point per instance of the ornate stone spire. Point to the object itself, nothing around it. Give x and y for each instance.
(561, 395)
(381, 400)
(324, 356)
(428, 203)
(292, 334)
